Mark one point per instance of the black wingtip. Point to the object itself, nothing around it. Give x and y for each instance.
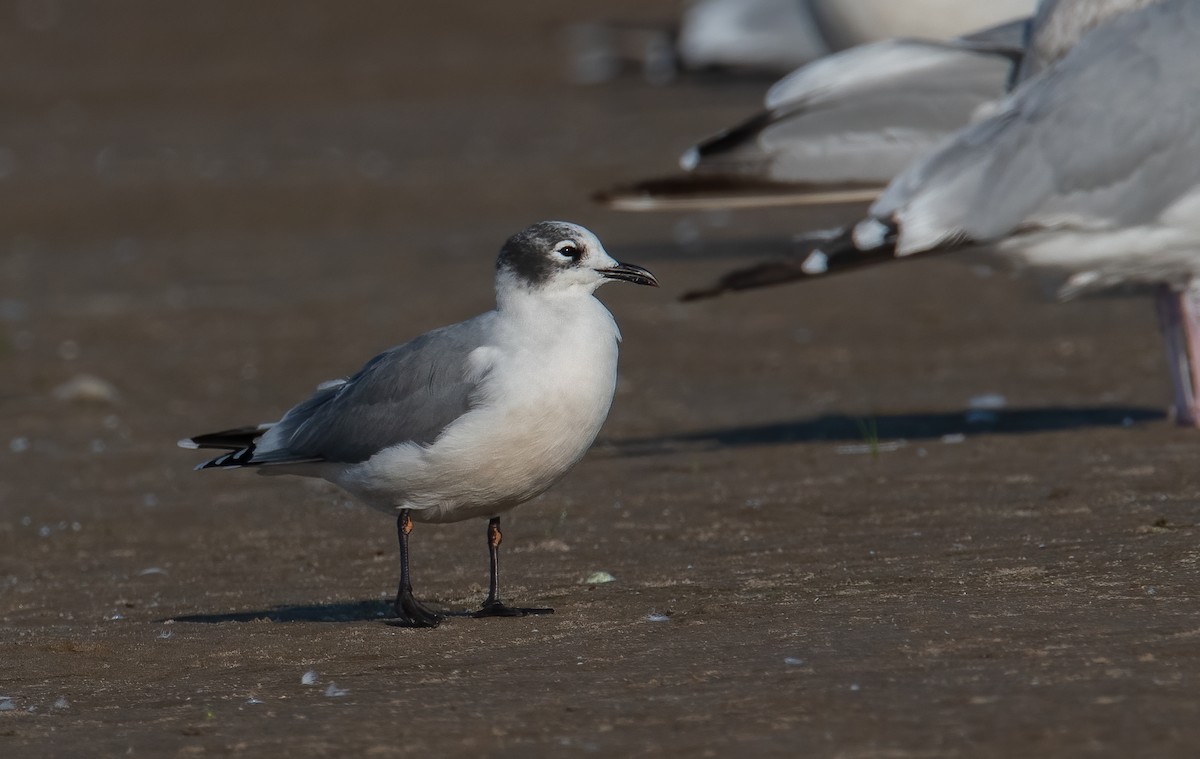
(729, 140)
(229, 440)
(233, 460)
(710, 190)
(765, 274)
(815, 258)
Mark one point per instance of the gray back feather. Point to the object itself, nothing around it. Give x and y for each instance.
(1108, 136)
(410, 393)
(1060, 24)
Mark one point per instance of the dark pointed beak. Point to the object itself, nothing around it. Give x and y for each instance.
(630, 273)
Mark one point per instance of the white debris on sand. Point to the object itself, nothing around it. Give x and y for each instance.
(332, 691)
(870, 448)
(309, 677)
(655, 616)
(599, 578)
(87, 388)
(984, 409)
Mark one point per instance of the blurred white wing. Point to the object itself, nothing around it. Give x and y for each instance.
(855, 22)
(839, 129)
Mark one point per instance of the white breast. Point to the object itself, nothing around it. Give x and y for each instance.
(549, 378)
(1094, 259)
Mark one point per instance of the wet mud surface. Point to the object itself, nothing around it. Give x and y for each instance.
(910, 512)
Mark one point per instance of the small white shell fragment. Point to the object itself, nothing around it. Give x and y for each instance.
(87, 388)
(332, 691)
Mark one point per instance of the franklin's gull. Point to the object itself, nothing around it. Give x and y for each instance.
(468, 420)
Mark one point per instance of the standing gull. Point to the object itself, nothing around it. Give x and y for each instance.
(468, 420)
(1088, 172)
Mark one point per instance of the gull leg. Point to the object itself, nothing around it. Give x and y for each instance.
(409, 611)
(492, 605)
(1179, 318)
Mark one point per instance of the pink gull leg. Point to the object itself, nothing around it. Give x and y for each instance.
(1179, 318)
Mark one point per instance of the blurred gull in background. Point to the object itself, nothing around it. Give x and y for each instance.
(846, 23)
(1088, 173)
(767, 35)
(772, 36)
(839, 129)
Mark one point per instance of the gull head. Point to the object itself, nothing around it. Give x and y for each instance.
(560, 257)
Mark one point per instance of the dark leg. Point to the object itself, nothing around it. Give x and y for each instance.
(492, 605)
(409, 611)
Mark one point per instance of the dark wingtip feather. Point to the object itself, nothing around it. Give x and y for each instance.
(839, 251)
(749, 278)
(232, 460)
(703, 190)
(232, 439)
(731, 139)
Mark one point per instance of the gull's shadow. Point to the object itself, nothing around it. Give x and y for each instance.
(840, 427)
(349, 611)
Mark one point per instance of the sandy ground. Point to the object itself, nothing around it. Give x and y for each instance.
(818, 550)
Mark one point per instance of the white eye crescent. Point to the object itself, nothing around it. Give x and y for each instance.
(568, 249)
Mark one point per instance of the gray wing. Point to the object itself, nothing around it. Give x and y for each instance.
(1058, 26)
(410, 393)
(1106, 138)
(839, 129)
(861, 115)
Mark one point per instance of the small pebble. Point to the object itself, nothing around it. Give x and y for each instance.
(68, 350)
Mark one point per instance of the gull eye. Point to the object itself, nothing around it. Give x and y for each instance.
(569, 250)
